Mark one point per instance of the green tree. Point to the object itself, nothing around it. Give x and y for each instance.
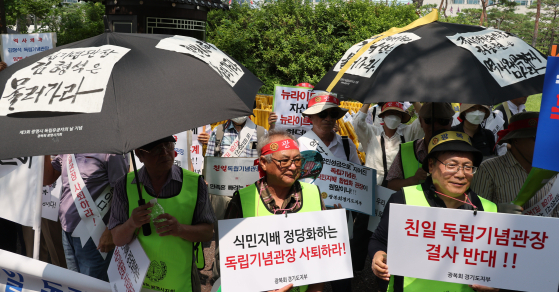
(23, 13)
(288, 41)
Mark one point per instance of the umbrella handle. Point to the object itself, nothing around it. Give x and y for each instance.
(145, 228)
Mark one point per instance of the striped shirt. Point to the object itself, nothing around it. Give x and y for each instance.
(203, 212)
(229, 136)
(500, 180)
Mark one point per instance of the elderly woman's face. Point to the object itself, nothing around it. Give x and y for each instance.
(284, 169)
(448, 182)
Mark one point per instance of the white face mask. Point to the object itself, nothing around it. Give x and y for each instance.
(239, 120)
(475, 117)
(392, 122)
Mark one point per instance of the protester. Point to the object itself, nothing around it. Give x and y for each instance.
(472, 115)
(451, 162)
(406, 168)
(99, 173)
(188, 217)
(381, 143)
(506, 110)
(323, 111)
(244, 135)
(278, 191)
(500, 179)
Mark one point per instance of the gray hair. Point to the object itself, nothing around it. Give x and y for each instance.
(265, 140)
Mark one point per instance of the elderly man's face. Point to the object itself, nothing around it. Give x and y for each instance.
(448, 182)
(324, 119)
(158, 159)
(285, 167)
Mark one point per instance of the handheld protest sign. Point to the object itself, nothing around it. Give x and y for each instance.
(289, 103)
(311, 166)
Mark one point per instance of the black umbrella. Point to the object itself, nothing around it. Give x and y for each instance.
(151, 93)
(432, 69)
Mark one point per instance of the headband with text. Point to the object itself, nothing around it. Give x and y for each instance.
(447, 137)
(393, 105)
(286, 144)
(323, 98)
(517, 125)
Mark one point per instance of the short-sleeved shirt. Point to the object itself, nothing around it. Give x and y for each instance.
(229, 136)
(337, 148)
(396, 170)
(97, 171)
(203, 213)
(500, 180)
(483, 140)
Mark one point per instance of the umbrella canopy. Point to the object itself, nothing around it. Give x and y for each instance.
(420, 63)
(159, 85)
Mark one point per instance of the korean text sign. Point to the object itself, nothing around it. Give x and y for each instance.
(69, 80)
(382, 195)
(545, 151)
(227, 175)
(128, 267)
(289, 103)
(346, 183)
(266, 253)
(16, 47)
(489, 249)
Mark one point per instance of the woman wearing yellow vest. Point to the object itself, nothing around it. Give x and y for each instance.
(451, 162)
(278, 191)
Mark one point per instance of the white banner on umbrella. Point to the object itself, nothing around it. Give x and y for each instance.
(19, 185)
(289, 103)
(266, 253)
(227, 175)
(226, 67)
(369, 62)
(70, 80)
(51, 200)
(346, 183)
(507, 58)
(382, 195)
(23, 274)
(16, 47)
(128, 267)
(489, 249)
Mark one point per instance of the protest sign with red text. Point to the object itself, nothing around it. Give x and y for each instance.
(289, 103)
(128, 267)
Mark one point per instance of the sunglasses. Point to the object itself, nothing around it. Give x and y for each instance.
(332, 113)
(167, 146)
(442, 122)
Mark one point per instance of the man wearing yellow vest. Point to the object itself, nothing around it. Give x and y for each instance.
(452, 162)
(278, 191)
(406, 168)
(187, 217)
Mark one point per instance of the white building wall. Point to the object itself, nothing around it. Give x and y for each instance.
(458, 5)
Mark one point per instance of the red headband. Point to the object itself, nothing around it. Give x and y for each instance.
(393, 104)
(323, 98)
(279, 146)
(517, 125)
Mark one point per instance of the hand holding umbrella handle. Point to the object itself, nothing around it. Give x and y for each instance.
(145, 228)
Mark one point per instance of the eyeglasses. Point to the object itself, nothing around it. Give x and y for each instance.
(442, 122)
(285, 163)
(332, 113)
(453, 167)
(167, 146)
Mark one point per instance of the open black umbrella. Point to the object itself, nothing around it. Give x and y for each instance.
(420, 63)
(53, 105)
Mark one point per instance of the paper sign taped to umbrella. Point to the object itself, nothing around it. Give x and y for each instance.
(269, 252)
(128, 267)
(490, 249)
(70, 80)
(16, 47)
(507, 58)
(370, 60)
(346, 183)
(289, 103)
(226, 67)
(225, 175)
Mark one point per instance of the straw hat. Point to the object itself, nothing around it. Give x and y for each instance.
(321, 101)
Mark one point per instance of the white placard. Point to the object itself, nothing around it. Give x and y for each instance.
(23, 274)
(20, 185)
(494, 123)
(457, 246)
(289, 103)
(368, 62)
(382, 195)
(546, 205)
(70, 80)
(16, 47)
(266, 253)
(196, 155)
(348, 118)
(226, 67)
(51, 200)
(227, 175)
(507, 58)
(180, 148)
(346, 183)
(128, 267)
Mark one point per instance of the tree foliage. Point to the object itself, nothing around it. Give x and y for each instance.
(288, 41)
